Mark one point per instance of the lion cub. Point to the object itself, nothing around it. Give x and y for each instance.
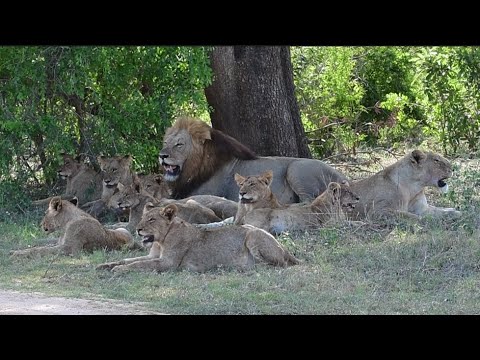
(259, 207)
(176, 244)
(254, 193)
(83, 182)
(131, 198)
(81, 232)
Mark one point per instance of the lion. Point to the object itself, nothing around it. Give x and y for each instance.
(155, 185)
(114, 170)
(176, 244)
(399, 188)
(81, 232)
(255, 193)
(131, 199)
(83, 182)
(330, 206)
(198, 159)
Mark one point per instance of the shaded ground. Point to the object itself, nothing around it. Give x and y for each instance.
(17, 303)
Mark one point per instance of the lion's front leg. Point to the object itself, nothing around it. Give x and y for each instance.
(37, 251)
(111, 265)
(150, 265)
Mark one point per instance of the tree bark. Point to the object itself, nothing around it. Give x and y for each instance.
(253, 99)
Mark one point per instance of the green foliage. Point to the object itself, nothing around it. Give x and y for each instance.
(388, 96)
(93, 100)
(328, 94)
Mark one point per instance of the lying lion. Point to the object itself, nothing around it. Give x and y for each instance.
(155, 185)
(81, 232)
(198, 159)
(255, 193)
(399, 188)
(176, 244)
(83, 182)
(259, 207)
(131, 199)
(115, 169)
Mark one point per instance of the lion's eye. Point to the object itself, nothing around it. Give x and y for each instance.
(148, 186)
(151, 220)
(178, 145)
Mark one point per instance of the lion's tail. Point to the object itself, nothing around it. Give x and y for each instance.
(290, 259)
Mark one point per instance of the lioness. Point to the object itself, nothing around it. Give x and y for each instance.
(399, 188)
(330, 206)
(81, 232)
(176, 244)
(155, 186)
(198, 159)
(132, 199)
(255, 193)
(83, 182)
(114, 170)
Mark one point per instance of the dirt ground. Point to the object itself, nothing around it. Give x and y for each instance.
(17, 303)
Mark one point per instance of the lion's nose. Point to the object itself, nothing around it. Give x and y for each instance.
(163, 156)
(138, 231)
(243, 193)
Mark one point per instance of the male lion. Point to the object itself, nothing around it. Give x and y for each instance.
(399, 188)
(261, 209)
(176, 244)
(81, 232)
(198, 159)
(83, 182)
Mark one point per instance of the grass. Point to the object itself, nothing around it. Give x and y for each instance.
(400, 267)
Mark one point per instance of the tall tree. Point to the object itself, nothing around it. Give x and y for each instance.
(253, 99)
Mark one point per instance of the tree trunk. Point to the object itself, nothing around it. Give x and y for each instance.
(253, 99)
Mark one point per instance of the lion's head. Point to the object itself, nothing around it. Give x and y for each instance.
(115, 169)
(155, 223)
(255, 187)
(192, 151)
(127, 196)
(154, 185)
(71, 166)
(337, 195)
(427, 169)
(348, 199)
(59, 212)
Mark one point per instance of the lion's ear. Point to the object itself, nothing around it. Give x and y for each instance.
(74, 201)
(344, 183)
(267, 177)
(417, 156)
(148, 206)
(101, 160)
(127, 159)
(56, 203)
(120, 186)
(136, 187)
(334, 188)
(169, 211)
(158, 179)
(239, 179)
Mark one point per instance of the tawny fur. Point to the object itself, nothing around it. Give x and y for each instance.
(328, 207)
(177, 244)
(200, 160)
(83, 182)
(399, 188)
(80, 232)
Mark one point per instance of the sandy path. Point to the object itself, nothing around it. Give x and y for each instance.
(17, 303)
